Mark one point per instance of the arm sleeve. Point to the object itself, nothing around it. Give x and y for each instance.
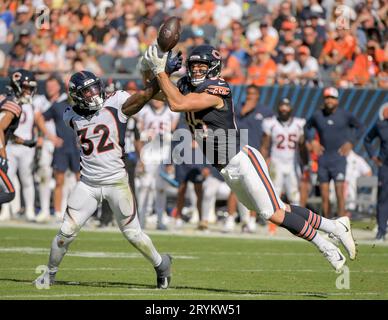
(368, 141)
(310, 124)
(354, 123)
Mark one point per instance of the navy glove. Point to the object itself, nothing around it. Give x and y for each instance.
(174, 63)
(3, 164)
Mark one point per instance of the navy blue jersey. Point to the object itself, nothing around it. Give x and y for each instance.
(334, 129)
(253, 122)
(214, 129)
(8, 103)
(55, 112)
(379, 130)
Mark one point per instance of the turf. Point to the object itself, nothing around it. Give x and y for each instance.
(102, 265)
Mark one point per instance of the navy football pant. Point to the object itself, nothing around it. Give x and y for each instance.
(382, 200)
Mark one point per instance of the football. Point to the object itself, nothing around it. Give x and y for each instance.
(169, 34)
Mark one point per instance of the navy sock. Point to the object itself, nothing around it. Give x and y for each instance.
(312, 218)
(298, 226)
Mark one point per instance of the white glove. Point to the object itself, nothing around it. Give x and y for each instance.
(156, 59)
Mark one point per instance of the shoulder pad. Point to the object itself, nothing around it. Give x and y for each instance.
(8, 104)
(215, 86)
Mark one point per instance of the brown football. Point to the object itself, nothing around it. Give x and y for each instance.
(169, 34)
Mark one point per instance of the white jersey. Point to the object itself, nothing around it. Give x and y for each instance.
(284, 137)
(101, 137)
(356, 166)
(154, 122)
(26, 123)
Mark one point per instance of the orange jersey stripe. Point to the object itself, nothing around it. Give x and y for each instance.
(7, 182)
(271, 192)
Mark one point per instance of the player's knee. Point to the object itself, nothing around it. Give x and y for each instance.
(7, 197)
(64, 240)
(69, 228)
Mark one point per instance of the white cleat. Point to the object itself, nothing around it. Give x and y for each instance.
(229, 224)
(43, 217)
(45, 280)
(345, 236)
(335, 257)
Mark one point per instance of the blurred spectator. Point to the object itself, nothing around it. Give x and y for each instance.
(201, 13)
(257, 11)
(99, 33)
(269, 37)
(177, 9)
(153, 16)
(382, 77)
(313, 8)
(338, 50)
(262, 70)
(22, 21)
(225, 13)
(97, 7)
(232, 70)
(309, 67)
(86, 19)
(86, 60)
(16, 59)
(311, 41)
(319, 28)
(367, 64)
(289, 70)
(287, 39)
(40, 59)
(285, 14)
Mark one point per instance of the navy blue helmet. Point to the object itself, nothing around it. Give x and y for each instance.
(23, 84)
(87, 90)
(204, 54)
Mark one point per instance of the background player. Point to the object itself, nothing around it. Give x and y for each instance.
(283, 147)
(156, 123)
(206, 99)
(23, 85)
(380, 131)
(333, 126)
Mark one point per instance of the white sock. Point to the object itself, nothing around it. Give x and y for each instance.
(321, 242)
(328, 225)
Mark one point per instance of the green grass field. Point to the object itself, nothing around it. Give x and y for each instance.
(102, 265)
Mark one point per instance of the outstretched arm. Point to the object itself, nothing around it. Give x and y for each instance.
(136, 101)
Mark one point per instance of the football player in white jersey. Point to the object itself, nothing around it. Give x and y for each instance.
(100, 124)
(44, 174)
(156, 123)
(283, 144)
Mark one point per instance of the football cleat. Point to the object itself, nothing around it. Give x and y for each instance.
(335, 257)
(345, 236)
(45, 280)
(163, 272)
(229, 224)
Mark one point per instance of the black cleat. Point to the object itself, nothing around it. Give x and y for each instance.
(163, 272)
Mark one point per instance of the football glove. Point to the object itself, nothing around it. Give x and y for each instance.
(174, 63)
(156, 59)
(3, 164)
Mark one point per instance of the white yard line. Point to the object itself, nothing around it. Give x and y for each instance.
(84, 254)
(182, 294)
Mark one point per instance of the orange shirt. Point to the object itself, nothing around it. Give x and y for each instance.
(238, 77)
(202, 13)
(259, 74)
(363, 68)
(345, 47)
